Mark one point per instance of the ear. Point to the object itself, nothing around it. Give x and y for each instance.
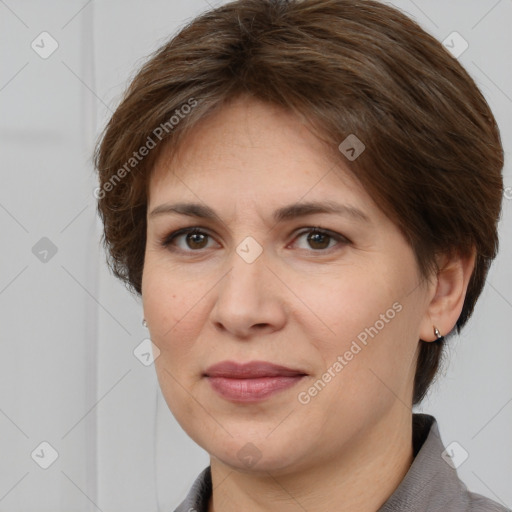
(449, 288)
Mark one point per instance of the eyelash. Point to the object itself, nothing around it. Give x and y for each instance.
(166, 242)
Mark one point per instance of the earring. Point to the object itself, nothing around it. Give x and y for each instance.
(437, 334)
(144, 323)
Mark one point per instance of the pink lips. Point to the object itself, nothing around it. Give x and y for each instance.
(251, 382)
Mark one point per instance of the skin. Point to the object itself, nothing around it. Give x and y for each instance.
(300, 304)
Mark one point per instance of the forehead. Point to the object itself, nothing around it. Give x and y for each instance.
(253, 152)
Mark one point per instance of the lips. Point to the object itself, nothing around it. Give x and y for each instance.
(251, 382)
(251, 370)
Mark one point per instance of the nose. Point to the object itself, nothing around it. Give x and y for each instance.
(250, 299)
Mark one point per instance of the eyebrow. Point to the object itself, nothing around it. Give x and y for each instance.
(285, 213)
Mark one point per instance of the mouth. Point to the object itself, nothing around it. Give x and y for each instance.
(251, 382)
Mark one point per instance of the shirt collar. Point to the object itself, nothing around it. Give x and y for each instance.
(431, 481)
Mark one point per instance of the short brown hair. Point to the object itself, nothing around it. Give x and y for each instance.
(433, 156)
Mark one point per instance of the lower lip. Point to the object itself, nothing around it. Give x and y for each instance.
(252, 390)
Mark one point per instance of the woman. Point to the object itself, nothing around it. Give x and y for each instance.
(305, 194)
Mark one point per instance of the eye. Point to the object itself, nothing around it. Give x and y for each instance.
(195, 239)
(319, 239)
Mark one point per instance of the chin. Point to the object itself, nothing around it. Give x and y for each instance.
(257, 456)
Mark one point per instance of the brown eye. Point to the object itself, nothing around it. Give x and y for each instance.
(320, 239)
(194, 239)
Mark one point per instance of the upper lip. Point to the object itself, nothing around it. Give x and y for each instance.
(250, 370)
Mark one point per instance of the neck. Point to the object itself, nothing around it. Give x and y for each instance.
(361, 478)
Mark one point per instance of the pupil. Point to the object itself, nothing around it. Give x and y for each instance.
(192, 235)
(314, 238)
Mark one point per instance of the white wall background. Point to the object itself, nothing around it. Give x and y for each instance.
(68, 328)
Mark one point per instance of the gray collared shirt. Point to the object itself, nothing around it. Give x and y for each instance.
(430, 485)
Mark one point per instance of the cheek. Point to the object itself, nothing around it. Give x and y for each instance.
(368, 316)
(172, 308)
(346, 303)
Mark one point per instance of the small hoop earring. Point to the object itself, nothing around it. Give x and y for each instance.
(144, 323)
(437, 334)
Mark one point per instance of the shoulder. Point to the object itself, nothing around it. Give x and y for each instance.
(432, 483)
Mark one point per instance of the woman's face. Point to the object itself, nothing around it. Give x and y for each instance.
(342, 309)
